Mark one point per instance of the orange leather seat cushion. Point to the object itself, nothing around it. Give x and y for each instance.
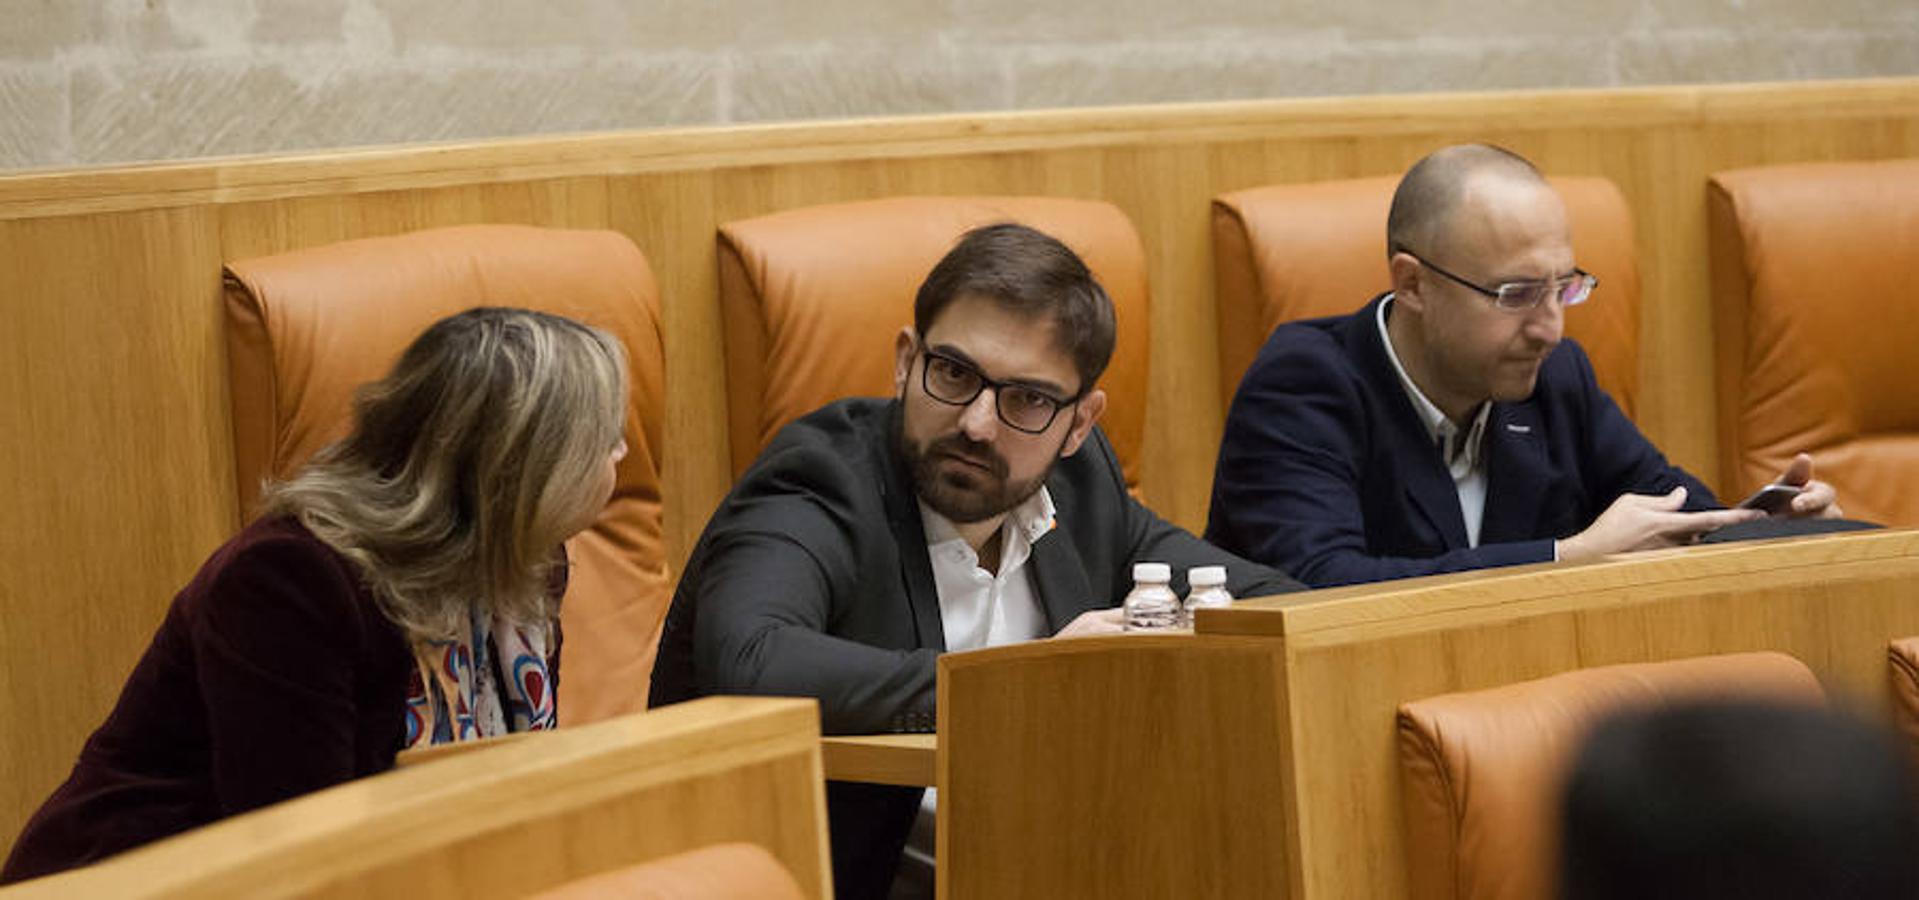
(811, 299)
(719, 872)
(1903, 660)
(1813, 271)
(1483, 771)
(306, 328)
(1302, 251)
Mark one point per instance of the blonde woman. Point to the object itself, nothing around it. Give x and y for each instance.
(402, 589)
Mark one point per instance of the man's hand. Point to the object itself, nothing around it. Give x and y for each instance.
(1646, 522)
(1818, 500)
(1099, 621)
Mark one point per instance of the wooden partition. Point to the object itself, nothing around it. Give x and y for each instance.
(1353, 655)
(513, 818)
(1117, 767)
(1257, 758)
(116, 469)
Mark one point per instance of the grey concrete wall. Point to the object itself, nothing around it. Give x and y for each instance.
(87, 82)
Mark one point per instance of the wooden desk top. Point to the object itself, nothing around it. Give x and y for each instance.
(901, 759)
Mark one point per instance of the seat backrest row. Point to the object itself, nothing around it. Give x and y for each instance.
(1481, 770)
(1301, 251)
(811, 297)
(1815, 324)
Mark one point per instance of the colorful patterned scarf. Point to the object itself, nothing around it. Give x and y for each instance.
(491, 684)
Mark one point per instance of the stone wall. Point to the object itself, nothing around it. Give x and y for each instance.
(86, 82)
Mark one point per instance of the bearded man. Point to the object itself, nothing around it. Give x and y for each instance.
(978, 506)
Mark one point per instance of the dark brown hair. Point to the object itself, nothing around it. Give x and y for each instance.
(1739, 798)
(1030, 273)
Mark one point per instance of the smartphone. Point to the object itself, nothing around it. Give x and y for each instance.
(1772, 499)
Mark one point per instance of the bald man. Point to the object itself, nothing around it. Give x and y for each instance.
(1447, 425)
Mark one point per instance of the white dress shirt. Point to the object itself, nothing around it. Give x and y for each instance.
(1460, 453)
(977, 609)
(986, 609)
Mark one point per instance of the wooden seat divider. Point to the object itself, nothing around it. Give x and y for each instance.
(1256, 756)
(512, 818)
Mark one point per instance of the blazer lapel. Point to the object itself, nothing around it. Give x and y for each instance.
(1059, 575)
(1430, 487)
(1428, 484)
(1518, 473)
(909, 533)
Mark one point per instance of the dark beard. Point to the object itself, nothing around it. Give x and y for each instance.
(965, 495)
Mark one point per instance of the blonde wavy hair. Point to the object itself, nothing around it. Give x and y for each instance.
(467, 466)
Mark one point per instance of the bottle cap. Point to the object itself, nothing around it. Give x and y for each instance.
(1206, 576)
(1154, 572)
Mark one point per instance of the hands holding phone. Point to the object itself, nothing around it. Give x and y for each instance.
(1795, 494)
(1648, 521)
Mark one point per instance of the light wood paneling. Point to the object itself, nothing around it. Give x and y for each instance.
(670, 218)
(436, 752)
(115, 468)
(902, 759)
(1114, 767)
(1256, 757)
(1354, 654)
(513, 818)
(115, 465)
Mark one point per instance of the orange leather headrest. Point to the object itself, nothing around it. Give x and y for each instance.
(1301, 251)
(1483, 771)
(307, 328)
(1813, 268)
(812, 299)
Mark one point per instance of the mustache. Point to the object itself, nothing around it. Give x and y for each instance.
(961, 446)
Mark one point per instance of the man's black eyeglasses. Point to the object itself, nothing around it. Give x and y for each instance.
(1519, 296)
(957, 382)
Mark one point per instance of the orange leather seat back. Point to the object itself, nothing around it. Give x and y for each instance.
(811, 299)
(718, 872)
(1482, 772)
(1903, 660)
(1815, 324)
(1303, 251)
(306, 328)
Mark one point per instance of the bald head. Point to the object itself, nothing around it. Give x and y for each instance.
(1466, 221)
(1432, 190)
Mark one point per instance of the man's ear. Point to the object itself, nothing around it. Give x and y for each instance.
(905, 347)
(1408, 282)
(1085, 416)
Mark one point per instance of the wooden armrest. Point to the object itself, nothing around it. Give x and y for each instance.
(434, 752)
(901, 759)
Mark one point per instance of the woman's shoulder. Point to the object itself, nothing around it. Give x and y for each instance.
(275, 567)
(280, 541)
(275, 607)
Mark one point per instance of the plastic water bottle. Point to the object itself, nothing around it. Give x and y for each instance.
(1208, 585)
(1152, 606)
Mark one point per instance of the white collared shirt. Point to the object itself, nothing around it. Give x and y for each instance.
(1460, 453)
(980, 608)
(986, 609)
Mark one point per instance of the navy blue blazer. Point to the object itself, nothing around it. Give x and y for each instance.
(1325, 470)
